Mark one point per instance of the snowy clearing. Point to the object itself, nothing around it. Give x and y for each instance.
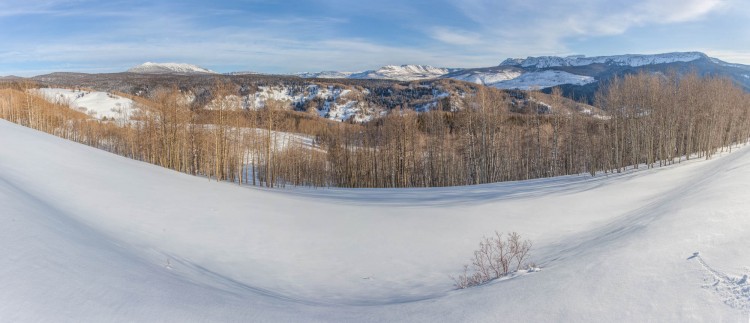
(90, 236)
(96, 104)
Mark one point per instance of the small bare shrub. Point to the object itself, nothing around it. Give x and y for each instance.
(496, 257)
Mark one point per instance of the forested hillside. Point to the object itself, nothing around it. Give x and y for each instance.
(486, 135)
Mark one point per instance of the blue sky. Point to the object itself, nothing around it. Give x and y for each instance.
(41, 36)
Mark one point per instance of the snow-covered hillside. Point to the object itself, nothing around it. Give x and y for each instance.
(331, 102)
(403, 73)
(511, 77)
(388, 72)
(486, 77)
(543, 79)
(325, 75)
(90, 236)
(96, 104)
(499, 74)
(169, 68)
(580, 60)
(506, 78)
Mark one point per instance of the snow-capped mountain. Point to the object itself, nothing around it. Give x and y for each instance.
(621, 60)
(388, 72)
(579, 75)
(325, 75)
(541, 72)
(169, 68)
(603, 68)
(404, 72)
(546, 71)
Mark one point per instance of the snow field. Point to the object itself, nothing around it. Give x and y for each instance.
(96, 104)
(90, 236)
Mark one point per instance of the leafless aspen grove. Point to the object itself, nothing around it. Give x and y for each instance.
(649, 120)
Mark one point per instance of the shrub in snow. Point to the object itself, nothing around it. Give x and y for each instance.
(496, 257)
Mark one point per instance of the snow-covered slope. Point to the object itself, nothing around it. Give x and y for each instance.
(580, 60)
(169, 68)
(389, 72)
(512, 77)
(485, 76)
(335, 103)
(96, 104)
(403, 72)
(325, 75)
(543, 79)
(89, 236)
(330, 102)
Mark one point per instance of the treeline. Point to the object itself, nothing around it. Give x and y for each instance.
(651, 120)
(224, 143)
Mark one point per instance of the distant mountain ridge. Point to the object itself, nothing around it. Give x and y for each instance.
(389, 72)
(169, 68)
(579, 75)
(325, 75)
(632, 60)
(10, 78)
(549, 71)
(404, 72)
(515, 73)
(361, 96)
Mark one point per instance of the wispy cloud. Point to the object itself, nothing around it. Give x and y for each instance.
(313, 35)
(584, 17)
(541, 26)
(455, 36)
(12, 8)
(733, 56)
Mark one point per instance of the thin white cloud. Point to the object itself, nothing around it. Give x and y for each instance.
(671, 11)
(732, 56)
(10, 8)
(264, 44)
(542, 26)
(455, 36)
(258, 53)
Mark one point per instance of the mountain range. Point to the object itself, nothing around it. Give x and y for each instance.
(578, 75)
(388, 72)
(362, 96)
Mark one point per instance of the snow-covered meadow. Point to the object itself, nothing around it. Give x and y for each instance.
(90, 236)
(94, 103)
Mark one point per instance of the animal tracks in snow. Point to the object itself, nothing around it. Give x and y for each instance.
(733, 291)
